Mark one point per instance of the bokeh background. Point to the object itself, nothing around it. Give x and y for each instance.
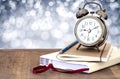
(49, 23)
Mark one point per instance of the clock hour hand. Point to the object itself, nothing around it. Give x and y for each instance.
(83, 30)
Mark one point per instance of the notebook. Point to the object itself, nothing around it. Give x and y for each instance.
(87, 54)
(73, 65)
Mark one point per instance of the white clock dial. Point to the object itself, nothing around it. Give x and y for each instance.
(88, 31)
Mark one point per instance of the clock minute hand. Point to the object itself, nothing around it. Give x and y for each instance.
(95, 28)
(89, 30)
(88, 36)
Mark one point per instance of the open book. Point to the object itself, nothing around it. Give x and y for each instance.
(87, 54)
(70, 65)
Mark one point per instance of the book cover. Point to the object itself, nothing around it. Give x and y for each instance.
(72, 65)
(87, 54)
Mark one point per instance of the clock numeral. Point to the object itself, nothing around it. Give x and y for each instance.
(81, 34)
(90, 23)
(83, 26)
(86, 23)
(88, 39)
(96, 36)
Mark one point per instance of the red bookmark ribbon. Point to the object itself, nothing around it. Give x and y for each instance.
(40, 69)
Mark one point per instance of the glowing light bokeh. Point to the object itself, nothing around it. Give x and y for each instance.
(48, 23)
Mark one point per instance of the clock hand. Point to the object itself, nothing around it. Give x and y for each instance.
(88, 34)
(89, 30)
(88, 37)
(84, 30)
(95, 28)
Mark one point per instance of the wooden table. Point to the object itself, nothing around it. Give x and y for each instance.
(18, 64)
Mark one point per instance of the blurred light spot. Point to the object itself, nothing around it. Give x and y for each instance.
(23, 1)
(12, 5)
(51, 3)
(37, 5)
(19, 22)
(75, 5)
(69, 37)
(64, 27)
(46, 24)
(66, 4)
(35, 26)
(30, 3)
(110, 0)
(45, 35)
(22, 34)
(3, 0)
(67, 0)
(108, 22)
(27, 43)
(114, 30)
(9, 35)
(2, 7)
(114, 5)
(46, 44)
(15, 43)
(60, 44)
(32, 13)
(58, 2)
(61, 10)
(12, 20)
(70, 15)
(57, 33)
(6, 24)
(47, 13)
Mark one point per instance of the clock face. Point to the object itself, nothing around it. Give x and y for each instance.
(88, 31)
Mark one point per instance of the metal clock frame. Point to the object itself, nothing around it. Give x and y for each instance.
(102, 38)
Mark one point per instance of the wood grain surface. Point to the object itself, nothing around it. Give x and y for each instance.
(18, 64)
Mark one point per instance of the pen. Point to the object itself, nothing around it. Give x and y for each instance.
(68, 47)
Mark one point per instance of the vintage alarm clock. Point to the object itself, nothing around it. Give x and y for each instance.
(90, 30)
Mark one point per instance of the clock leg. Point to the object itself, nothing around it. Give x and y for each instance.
(78, 46)
(98, 49)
